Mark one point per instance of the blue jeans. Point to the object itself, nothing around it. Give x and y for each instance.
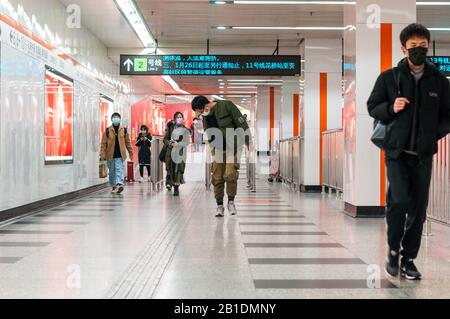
(116, 170)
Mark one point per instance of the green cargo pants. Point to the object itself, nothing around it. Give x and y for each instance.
(225, 170)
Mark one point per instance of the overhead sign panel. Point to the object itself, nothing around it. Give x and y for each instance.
(442, 62)
(210, 65)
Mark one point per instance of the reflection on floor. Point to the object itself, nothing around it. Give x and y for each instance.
(145, 244)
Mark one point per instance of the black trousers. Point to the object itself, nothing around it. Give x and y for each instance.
(407, 201)
(141, 169)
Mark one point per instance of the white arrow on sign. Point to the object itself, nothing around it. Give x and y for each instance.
(128, 63)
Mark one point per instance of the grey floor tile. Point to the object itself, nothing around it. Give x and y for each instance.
(283, 233)
(319, 284)
(305, 261)
(23, 244)
(9, 260)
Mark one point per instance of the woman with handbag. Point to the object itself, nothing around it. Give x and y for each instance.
(176, 141)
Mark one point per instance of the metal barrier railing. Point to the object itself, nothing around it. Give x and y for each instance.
(439, 203)
(157, 167)
(291, 163)
(333, 160)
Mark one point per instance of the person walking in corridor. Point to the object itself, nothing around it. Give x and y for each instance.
(412, 102)
(114, 146)
(221, 121)
(176, 141)
(144, 143)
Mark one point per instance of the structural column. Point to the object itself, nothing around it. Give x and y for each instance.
(371, 45)
(290, 108)
(320, 103)
(268, 117)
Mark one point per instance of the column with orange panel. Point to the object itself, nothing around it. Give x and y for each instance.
(371, 46)
(321, 103)
(290, 108)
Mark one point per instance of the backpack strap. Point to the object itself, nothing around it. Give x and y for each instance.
(396, 72)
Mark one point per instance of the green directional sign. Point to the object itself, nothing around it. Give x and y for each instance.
(210, 65)
(140, 65)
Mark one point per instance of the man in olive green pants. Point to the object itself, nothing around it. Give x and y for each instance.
(227, 131)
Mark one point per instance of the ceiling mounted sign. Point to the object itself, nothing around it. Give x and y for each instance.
(210, 65)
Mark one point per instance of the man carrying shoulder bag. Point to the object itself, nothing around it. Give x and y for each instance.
(416, 114)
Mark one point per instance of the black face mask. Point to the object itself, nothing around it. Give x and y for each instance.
(418, 55)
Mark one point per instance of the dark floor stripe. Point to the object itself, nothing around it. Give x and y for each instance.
(65, 215)
(9, 260)
(306, 261)
(319, 284)
(50, 223)
(271, 216)
(63, 209)
(257, 206)
(22, 244)
(293, 245)
(276, 224)
(34, 232)
(269, 210)
(283, 233)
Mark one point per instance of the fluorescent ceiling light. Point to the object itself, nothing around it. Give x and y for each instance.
(283, 28)
(282, 2)
(131, 12)
(433, 3)
(439, 29)
(251, 80)
(242, 87)
(173, 84)
(295, 2)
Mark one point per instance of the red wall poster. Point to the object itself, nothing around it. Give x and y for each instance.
(58, 118)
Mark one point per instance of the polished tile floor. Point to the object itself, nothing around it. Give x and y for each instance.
(146, 244)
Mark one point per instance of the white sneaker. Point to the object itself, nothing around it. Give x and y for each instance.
(149, 180)
(232, 208)
(220, 211)
(114, 190)
(141, 179)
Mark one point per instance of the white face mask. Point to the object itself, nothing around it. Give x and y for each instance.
(206, 113)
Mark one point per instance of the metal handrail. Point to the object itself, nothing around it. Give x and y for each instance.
(439, 202)
(156, 166)
(333, 160)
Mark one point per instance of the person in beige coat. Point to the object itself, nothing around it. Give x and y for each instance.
(114, 146)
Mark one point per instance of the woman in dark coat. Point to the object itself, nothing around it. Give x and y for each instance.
(176, 141)
(143, 143)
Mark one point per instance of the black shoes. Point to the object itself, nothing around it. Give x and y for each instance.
(408, 270)
(176, 191)
(392, 267)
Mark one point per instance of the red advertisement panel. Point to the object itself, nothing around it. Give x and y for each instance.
(58, 118)
(106, 110)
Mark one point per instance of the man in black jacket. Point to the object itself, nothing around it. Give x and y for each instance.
(413, 100)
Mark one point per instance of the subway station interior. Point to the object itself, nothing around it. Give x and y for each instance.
(308, 219)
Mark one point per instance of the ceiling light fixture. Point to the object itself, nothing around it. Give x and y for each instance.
(242, 87)
(282, 2)
(439, 29)
(433, 3)
(254, 80)
(280, 28)
(174, 84)
(295, 2)
(132, 14)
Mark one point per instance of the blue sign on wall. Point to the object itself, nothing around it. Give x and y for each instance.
(210, 65)
(442, 62)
